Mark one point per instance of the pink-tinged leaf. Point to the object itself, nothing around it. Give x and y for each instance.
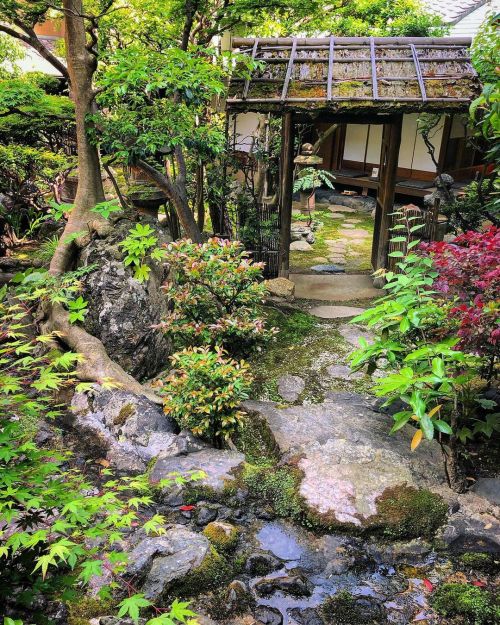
(479, 583)
(186, 508)
(428, 585)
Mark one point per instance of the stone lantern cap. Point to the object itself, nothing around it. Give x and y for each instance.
(307, 157)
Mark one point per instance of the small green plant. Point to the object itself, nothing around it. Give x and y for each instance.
(204, 392)
(104, 209)
(469, 604)
(311, 178)
(77, 309)
(140, 244)
(47, 249)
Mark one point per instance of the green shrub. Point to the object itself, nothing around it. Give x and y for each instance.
(204, 392)
(216, 291)
(468, 603)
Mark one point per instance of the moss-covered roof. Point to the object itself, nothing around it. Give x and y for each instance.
(352, 74)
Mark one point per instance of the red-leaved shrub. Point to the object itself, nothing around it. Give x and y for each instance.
(469, 273)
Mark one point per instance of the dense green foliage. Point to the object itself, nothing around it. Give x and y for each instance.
(215, 292)
(418, 349)
(204, 392)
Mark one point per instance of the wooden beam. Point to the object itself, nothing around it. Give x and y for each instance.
(389, 156)
(286, 192)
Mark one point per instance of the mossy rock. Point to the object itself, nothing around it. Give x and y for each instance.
(211, 574)
(223, 536)
(469, 604)
(345, 609)
(82, 610)
(407, 512)
(278, 487)
(479, 561)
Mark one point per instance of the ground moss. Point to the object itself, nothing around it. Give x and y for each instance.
(223, 536)
(469, 604)
(86, 608)
(405, 512)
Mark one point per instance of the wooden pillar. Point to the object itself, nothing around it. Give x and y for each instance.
(389, 156)
(286, 192)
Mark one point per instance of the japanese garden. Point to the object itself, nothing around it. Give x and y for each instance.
(249, 312)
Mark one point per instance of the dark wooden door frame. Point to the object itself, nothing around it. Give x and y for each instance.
(389, 156)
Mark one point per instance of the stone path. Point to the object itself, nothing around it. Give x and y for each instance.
(336, 288)
(335, 312)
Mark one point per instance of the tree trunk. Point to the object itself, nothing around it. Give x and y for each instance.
(96, 365)
(176, 194)
(200, 196)
(81, 67)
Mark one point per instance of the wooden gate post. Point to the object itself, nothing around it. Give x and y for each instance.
(389, 156)
(286, 193)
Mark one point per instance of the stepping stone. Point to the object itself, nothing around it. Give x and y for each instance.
(290, 387)
(346, 225)
(337, 216)
(336, 312)
(328, 268)
(338, 208)
(352, 334)
(334, 288)
(339, 258)
(300, 246)
(343, 372)
(357, 233)
(353, 221)
(321, 260)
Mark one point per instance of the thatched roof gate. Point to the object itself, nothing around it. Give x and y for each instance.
(356, 79)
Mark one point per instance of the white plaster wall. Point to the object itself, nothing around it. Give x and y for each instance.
(412, 154)
(355, 142)
(246, 126)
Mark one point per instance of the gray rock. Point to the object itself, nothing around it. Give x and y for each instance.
(268, 616)
(489, 488)
(329, 268)
(123, 311)
(306, 616)
(353, 333)
(290, 387)
(300, 246)
(296, 585)
(346, 456)
(261, 563)
(129, 430)
(356, 202)
(217, 464)
(206, 515)
(467, 530)
(342, 372)
(163, 560)
(335, 312)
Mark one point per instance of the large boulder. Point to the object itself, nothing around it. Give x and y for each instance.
(347, 458)
(159, 562)
(122, 310)
(126, 429)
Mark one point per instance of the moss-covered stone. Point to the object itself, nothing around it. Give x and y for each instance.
(223, 536)
(126, 411)
(345, 609)
(256, 440)
(82, 610)
(406, 512)
(278, 487)
(479, 561)
(212, 572)
(231, 601)
(468, 603)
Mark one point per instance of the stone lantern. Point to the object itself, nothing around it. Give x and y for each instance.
(304, 160)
